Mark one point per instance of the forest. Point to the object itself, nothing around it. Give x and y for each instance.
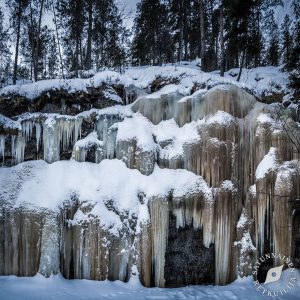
(90, 35)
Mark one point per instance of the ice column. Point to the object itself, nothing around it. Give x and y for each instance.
(49, 262)
(2, 146)
(159, 211)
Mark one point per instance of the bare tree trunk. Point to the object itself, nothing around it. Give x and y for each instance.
(58, 43)
(89, 38)
(38, 42)
(180, 44)
(202, 32)
(185, 30)
(31, 37)
(17, 42)
(241, 65)
(76, 58)
(222, 67)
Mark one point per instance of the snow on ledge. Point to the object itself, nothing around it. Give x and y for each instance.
(263, 80)
(268, 164)
(110, 180)
(222, 118)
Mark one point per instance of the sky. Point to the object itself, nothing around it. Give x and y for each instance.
(128, 8)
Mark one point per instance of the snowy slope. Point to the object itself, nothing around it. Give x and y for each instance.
(262, 80)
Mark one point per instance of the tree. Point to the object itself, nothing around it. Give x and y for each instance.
(202, 34)
(109, 35)
(4, 50)
(88, 59)
(272, 51)
(52, 57)
(17, 8)
(236, 25)
(222, 42)
(57, 37)
(287, 42)
(152, 42)
(294, 64)
(71, 19)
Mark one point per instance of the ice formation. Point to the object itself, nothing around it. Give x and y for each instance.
(82, 147)
(215, 166)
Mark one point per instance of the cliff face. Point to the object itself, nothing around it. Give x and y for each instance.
(188, 189)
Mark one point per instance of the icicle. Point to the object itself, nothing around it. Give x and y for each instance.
(159, 212)
(110, 142)
(27, 128)
(51, 140)
(18, 148)
(49, 261)
(78, 126)
(59, 133)
(104, 122)
(89, 143)
(79, 154)
(38, 134)
(196, 210)
(2, 146)
(224, 230)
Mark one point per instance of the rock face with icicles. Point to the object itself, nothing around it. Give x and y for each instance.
(190, 189)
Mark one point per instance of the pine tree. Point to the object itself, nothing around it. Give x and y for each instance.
(287, 42)
(180, 20)
(294, 75)
(254, 40)
(71, 20)
(152, 42)
(236, 25)
(272, 51)
(52, 57)
(4, 51)
(17, 10)
(110, 36)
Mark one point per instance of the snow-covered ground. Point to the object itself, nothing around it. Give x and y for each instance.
(187, 75)
(58, 288)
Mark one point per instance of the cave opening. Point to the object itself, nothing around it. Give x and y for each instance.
(187, 260)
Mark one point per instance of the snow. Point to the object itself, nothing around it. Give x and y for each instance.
(177, 137)
(221, 118)
(265, 118)
(284, 178)
(243, 220)
(33, 90)
(268, 164)
(245, 243)
(143, 131)
(262, 80)
(169, 89)
(7, 123)
(228, 186)
(137, 128)
(110, 180)
(90, 139)
(56, 287)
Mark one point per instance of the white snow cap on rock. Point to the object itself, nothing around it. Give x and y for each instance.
(268, 164)
(49, 185)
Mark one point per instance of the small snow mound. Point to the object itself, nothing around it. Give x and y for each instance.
(243, 220)
(245, 243)
(222, 118)
(89, 140)
(268, 164)
(137, 128)
(228, 185)
(8, 123)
